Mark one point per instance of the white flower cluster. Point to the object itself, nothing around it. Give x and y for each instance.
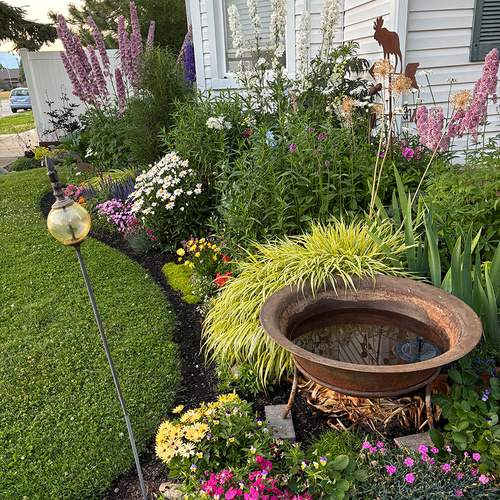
(277, 28)
(254, 16)
(162, 184)
(329, 20)
(236, 29)
(303, 42)
(218, 123)
(90, 152)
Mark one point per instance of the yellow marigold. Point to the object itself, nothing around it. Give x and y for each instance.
(462, 99)
(400, 85)
(197, 254)
(382, 69)
(181, 252)
(202, 240)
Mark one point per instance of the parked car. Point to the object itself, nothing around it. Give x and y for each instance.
(19, 99)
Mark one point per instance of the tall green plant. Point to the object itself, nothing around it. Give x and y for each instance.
(232, 331)
(161, 83)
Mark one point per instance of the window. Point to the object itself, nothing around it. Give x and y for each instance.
(485, 29)
(264, 11)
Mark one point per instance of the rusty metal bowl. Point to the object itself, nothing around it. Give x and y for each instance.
(441, 318)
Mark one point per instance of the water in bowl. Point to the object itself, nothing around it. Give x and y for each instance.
(364, 344)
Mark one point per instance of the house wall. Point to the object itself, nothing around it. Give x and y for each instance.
(439, 37)
(47, 79)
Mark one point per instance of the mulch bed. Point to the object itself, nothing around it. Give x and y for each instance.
(200, 379)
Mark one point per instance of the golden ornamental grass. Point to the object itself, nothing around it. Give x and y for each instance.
(232, 332)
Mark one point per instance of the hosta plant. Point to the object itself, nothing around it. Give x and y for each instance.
(232, 332)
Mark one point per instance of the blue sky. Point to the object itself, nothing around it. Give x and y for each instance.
(8, 60)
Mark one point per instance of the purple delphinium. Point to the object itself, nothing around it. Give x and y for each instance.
(190, 70)
(134, 21)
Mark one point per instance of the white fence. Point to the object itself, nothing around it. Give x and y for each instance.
(47, 81)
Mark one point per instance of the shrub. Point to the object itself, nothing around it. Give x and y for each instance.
(161, 83)
(24, 164)
(232, 331)
(209, 131)
(167, 199)
(106, 134)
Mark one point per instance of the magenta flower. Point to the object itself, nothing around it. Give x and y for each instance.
(423, 449)
(474, 472)
(408, 462)
(380, 444)
(390, 469)
(458, 493)
(476, 456)
(292, 147)
(410, 478)
(366, 445)
(321, 137)
(459, 476)
(483, 479)
(446, 467)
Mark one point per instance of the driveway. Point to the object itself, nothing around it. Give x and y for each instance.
(13, 146)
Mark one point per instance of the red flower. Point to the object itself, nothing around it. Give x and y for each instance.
(225, 258)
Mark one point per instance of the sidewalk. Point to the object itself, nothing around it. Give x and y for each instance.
(13, 147)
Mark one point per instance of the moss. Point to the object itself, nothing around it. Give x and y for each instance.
(179, 278)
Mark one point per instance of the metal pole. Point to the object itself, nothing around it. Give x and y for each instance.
(111, 365)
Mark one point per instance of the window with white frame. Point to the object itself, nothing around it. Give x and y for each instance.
(266, 45)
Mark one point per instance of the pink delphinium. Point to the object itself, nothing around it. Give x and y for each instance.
(99, 42)
(97, 71)
(151, 34)
(120, 91)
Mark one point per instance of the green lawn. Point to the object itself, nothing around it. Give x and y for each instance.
(15, 124)
(62, 432)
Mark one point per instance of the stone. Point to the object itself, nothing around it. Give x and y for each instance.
(414, 441)
(284, 427)
(170, 491)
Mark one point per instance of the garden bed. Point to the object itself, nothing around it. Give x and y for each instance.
(201, 381)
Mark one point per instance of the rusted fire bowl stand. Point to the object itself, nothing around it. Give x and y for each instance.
(441, 318)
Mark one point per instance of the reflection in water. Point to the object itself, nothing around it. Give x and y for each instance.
(364, 344)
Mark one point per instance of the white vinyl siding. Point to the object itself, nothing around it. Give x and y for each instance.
(439, 38)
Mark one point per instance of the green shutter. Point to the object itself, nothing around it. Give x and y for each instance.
(485, 29)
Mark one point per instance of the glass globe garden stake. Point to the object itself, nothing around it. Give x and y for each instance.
(69, 223)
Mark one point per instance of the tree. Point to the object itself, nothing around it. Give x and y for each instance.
(14, 27)
(169, 16)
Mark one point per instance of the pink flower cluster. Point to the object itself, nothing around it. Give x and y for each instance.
(430, 122)
(260, 486)
(119, 213)
(88, 78)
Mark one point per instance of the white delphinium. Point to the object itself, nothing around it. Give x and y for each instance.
(329, 20)
(254, 16)
(216, 123)
(236, 29)
(277, 28)
(303, 43)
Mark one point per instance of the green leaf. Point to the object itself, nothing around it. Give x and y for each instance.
(467, 270)
(459, 437)
(456, 376)
(434, 258)
(456, 269)
(340, 462)
(462, 426)
(441, 400)
(437, 438)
